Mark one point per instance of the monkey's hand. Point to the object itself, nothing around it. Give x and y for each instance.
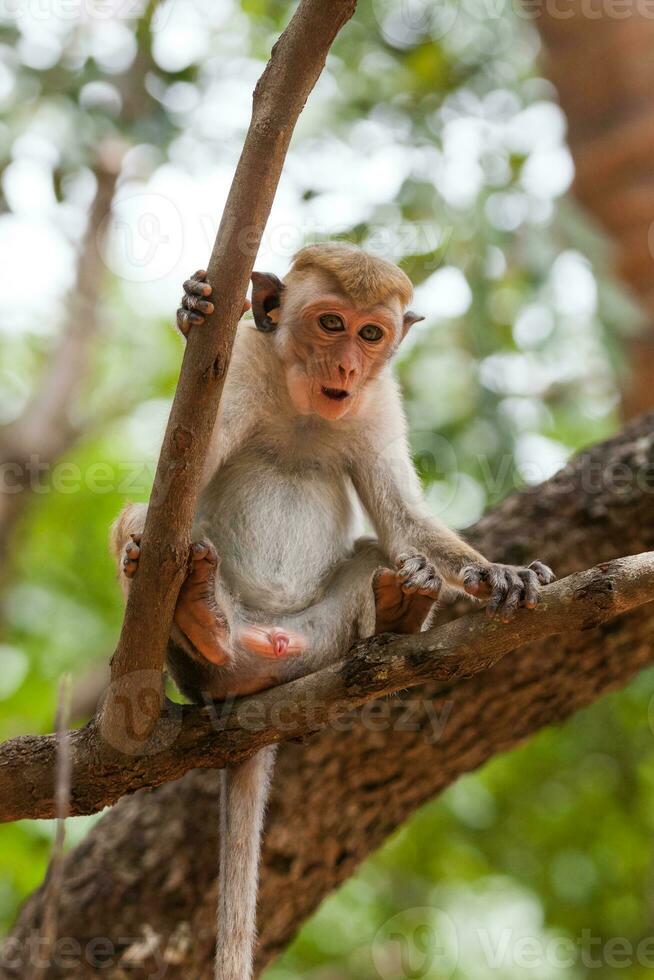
(195, 303)
(417, 574)
(507, 587)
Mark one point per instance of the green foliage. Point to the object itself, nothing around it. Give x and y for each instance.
(431, 138)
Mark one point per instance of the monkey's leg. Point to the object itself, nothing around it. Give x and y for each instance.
(405, 596)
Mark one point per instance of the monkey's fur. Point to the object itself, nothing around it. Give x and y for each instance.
(310, 437)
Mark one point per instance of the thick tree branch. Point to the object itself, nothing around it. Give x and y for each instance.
(191, 737)
(294, 67)
(145, 876)
(601, 67)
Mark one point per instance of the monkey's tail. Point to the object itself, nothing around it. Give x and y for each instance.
(244, 793)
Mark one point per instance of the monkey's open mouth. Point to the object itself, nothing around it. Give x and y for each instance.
(336, 394)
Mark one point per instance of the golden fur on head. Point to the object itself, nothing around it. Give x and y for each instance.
(364, 277)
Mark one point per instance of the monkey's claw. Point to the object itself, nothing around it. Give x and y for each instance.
(131, 555)
(507, 587)
(418, 575)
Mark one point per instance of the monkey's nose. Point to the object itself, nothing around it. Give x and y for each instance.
(347, 374)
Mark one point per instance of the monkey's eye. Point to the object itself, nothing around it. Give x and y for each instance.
(331, 323)
(371, 333)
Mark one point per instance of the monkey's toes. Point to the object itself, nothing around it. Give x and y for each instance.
(131, 555)
(204, 561)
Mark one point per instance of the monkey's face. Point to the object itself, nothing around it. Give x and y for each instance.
(331, 349)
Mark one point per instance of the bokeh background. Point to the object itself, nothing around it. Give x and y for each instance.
(434, 138)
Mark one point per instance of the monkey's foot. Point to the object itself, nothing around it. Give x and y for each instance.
(197, 613)
(404, 596)
(131, 554)
(271, 642)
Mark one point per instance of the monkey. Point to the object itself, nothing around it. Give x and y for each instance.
(309, 443)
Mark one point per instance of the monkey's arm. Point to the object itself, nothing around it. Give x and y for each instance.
(390, 491)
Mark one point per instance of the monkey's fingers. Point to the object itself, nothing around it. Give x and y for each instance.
(197, 304)
(475, 580)
(512, 603)
(544, 573)
(418, 575)
(531, 586)
(507, 591)
(186, 320)
(197, 285)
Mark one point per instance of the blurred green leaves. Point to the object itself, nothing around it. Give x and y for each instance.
(432, 139)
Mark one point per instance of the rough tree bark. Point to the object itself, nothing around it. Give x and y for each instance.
(599, 56)
(145, 876)
(212, 736)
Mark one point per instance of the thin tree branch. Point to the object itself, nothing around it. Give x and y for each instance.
(191, 737)
(136, 692)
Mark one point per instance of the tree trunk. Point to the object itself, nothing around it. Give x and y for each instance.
(600, 59)
(145, 876)
(45, 430)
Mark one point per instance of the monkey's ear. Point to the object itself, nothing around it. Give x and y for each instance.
(266, 296)
(409, 319)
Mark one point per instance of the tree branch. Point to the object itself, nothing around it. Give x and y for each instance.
(145, 876)
(136, 692)
(192, 737)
